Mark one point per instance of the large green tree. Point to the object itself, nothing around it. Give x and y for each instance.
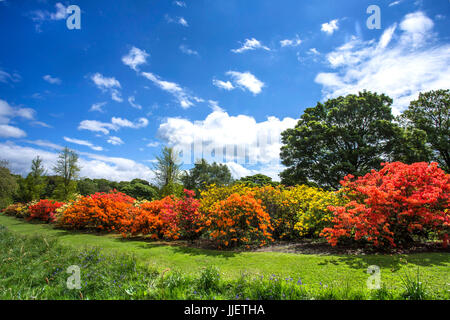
(345, 135)
(8, 185)
(67, 170)
(167, 171)
(430, 113)
(203, 174)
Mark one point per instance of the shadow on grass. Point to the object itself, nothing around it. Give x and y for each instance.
(392, 262)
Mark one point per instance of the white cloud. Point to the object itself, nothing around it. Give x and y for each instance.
(115, 141)
(92, 165)
(227, 85)
(260, 140)
(246, 80)
(153, 144)
(5, 77)
(83, 143)
(135, 58)
(314, 51)
(108, 84)
(188, 51)
(184, 98)
(401, 64)
(131, 100)
(104, 83)
(8, 112)
(214, 105)
(417, 27)
(250, 44)
(115, 125)
(52, 80)
(61, 12)
(180, 3)
(394, 3)
(178, 20)
(97, 107)
(183, 22)
(291, 42)
(330, 27)
(7, 131)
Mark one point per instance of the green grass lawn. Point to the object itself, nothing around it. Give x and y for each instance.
(330, 270)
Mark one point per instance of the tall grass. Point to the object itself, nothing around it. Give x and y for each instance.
(34, 267)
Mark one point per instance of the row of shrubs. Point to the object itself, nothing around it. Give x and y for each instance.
(394, 206)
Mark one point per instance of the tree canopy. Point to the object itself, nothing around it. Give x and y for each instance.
(203, 174)
(345, 135)
(430, 113)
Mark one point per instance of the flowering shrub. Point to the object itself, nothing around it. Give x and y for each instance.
(15, 209)
(390, 206)
(168, 218)
(44, 210)
(100, 211)
(239, 219)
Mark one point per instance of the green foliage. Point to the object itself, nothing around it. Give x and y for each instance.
(67, 169)
(346, 135)
(203, 174)
(139, 189)
(430, 113)
(167, 171)
(8, 185)
(258, 180)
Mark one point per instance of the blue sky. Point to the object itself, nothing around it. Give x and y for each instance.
(139, 74)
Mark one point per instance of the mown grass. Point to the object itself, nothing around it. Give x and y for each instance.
(112, 268)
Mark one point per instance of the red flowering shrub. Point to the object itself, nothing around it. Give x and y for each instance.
(168, 218)
(100, 211)
(44, 210)
(239, 219)
(188, 216)
(390, 206)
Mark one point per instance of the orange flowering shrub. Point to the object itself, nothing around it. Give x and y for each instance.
(100, 211)
(392, 206)
(44, 210)
(238, 220)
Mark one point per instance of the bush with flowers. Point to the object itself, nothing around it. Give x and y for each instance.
(100, 211)
(238, 220)
(169, 218)
(44, 210)
(394, 205)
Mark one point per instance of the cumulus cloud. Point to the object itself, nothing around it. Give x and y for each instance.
(92, 165)
(330, 27)
(106, 84)
(7, 131)
(98, 107)
(135, 58)
(250, 44)
(83, 143)
(403, 62)
(115, 141)
(224, 138)
(114, 125)
(246, 81)
(186, 50)
(40, 16)
(180, 3)
(291, 42)
(132, 102)
(227, 85)
(185, 99)
(52, 80)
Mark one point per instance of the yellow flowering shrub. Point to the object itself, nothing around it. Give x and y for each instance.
(294, 212)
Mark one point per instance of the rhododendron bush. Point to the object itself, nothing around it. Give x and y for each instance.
(393, 206)
(100, 211)
(169, 218)
(44, 210)
(238, 220)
